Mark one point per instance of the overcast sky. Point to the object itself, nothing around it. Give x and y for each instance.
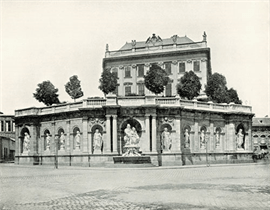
(53, 40)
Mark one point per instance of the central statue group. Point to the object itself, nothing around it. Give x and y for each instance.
(132, 141)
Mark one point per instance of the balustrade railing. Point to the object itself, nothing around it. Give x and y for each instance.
(134, 101)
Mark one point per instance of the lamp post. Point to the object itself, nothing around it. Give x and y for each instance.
(56, 141)
(206, 141)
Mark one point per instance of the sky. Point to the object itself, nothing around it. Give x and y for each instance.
(53, 40)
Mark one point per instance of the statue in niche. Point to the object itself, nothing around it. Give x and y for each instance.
(128, 135)
(78, 139)
(62, 141)
(97, 141)
(187, 140)
(240, 139)
(134, 138)
(26, 142)
(217, 138)
(166, 140)
(202, 138)
(48, 141)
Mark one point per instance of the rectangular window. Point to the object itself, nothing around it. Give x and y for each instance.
(2, 125)
(182, 67)
(168, 90)
(116, 91)
(8, 126)
(196, 65)
(140, 70)
(115, 71)
(127, 90)
(127, 71)
(168, 67)
(141, 89)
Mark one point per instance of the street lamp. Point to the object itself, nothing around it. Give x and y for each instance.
(56, 141)
(206, 141)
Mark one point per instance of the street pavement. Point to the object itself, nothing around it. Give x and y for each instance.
(233, 187)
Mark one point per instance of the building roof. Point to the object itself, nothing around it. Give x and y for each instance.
(261, 121)
(156, 40)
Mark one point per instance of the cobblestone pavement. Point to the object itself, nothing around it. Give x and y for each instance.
(217, 187)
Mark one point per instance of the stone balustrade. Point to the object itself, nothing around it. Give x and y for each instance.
(134, 101)
(159, 48)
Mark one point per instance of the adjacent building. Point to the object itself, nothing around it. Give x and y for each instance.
(261, 132)
(176, 55)
(7, 137)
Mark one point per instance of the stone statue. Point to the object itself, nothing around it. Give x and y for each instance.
(187, 140)
(97, 141)
(78, 139)
(26, 142)
(48, 141)
(217, 138)
(166, 140)
(134, 138)
(62, 141)
(240, 139)
(128, 133)
(202, 138)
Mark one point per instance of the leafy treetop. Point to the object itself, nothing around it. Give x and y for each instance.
(73, 87)
(46, 93)
(108, 81)
(189, 86)
(155, 79)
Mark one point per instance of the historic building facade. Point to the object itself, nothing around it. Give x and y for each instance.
(7, 137)
(168, 129)
(176, 55)
(261, 132)
(171, 131)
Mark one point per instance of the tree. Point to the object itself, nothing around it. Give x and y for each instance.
(217, 91)
(155, 79)
(189, 86)
(46, 93)
(108, 81)
(73, 87)
(233, 96)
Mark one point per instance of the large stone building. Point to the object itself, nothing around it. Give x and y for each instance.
(170, 130)
(176, 55)
(7, 137)
(261, 132)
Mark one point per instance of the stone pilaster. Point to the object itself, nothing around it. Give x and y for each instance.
(174, 66)
(121, 91)
(18, 141)
(85, 134)
(250, 145)
(107, 142)
(154, 134)
(114, 134)
(231, 146)
(176, 147)
(146, 147)
(53, 146)
(134, 79)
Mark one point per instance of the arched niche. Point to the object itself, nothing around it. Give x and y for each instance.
(22, 135)
(240, 129)
(76, 133)
(94, 129)
(46, 134)
(58, 135)
(133, 123)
